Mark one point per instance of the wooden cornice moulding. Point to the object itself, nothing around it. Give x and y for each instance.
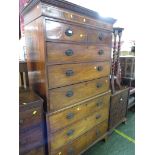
(69, 6)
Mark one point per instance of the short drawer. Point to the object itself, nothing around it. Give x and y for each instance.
(66, 117)
(71, 53)
(31, 139)
(76, 93)
(83, 141)
(78, 128)
(30, 118)
(65, 32)
(66, 74)
(99, 37)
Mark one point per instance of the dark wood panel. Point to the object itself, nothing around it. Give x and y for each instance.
(76, 93)
(66, 74)
(71, 53)
(118, 107)
(35, 151)
(35, 48)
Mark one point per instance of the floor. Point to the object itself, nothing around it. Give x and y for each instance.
(116, 143)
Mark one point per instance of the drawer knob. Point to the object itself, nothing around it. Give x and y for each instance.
(98, 116)
(99, 68)
(69, 93)
(68, 32)
(70, 115)
(69, 52)
(21, 121)
(99, 85)
(99, 103)
(69, 73)
(100, 36)
(70, 132)
(70, 151)
(100, 52)
(98, 132)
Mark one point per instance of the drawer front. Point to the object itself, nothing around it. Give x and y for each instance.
(30, 118)
(99, 37)
(82, 142)
(76, 93)
(73, 131)
(65, 32)
(70, 53)
(69, 116)
(30, 139)
(36, 151)
(66, 74)
(70, 16)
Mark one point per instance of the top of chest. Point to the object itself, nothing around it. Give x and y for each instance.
(63, 10)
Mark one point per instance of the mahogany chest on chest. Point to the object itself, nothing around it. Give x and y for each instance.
(68, 56)
(31, 135)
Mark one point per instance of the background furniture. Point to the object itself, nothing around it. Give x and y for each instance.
(68, 56)
(119, 96)
(118, 108)
(31, 135)
(23, 74)
(128, 77)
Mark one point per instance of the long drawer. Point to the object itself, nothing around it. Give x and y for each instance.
(83, 141)
(70, 53)
(67, 32)
(66, 117)
(78, 128)
(65, 96)
(66, 74)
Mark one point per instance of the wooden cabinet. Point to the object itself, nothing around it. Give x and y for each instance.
(31, 134)
(68, 56)
(118, 108)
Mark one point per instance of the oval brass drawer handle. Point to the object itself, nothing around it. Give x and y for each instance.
(70, 115)
(99, 103)
(70, 132)
(100, 36)
(99, 85)
(99, 68)
(69, 93)
(68, 32)
(70, 151)
(69, 52)
(98, 116)
(69, 72)
(100, 52)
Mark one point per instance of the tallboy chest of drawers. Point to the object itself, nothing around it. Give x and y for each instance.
(68, 56)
